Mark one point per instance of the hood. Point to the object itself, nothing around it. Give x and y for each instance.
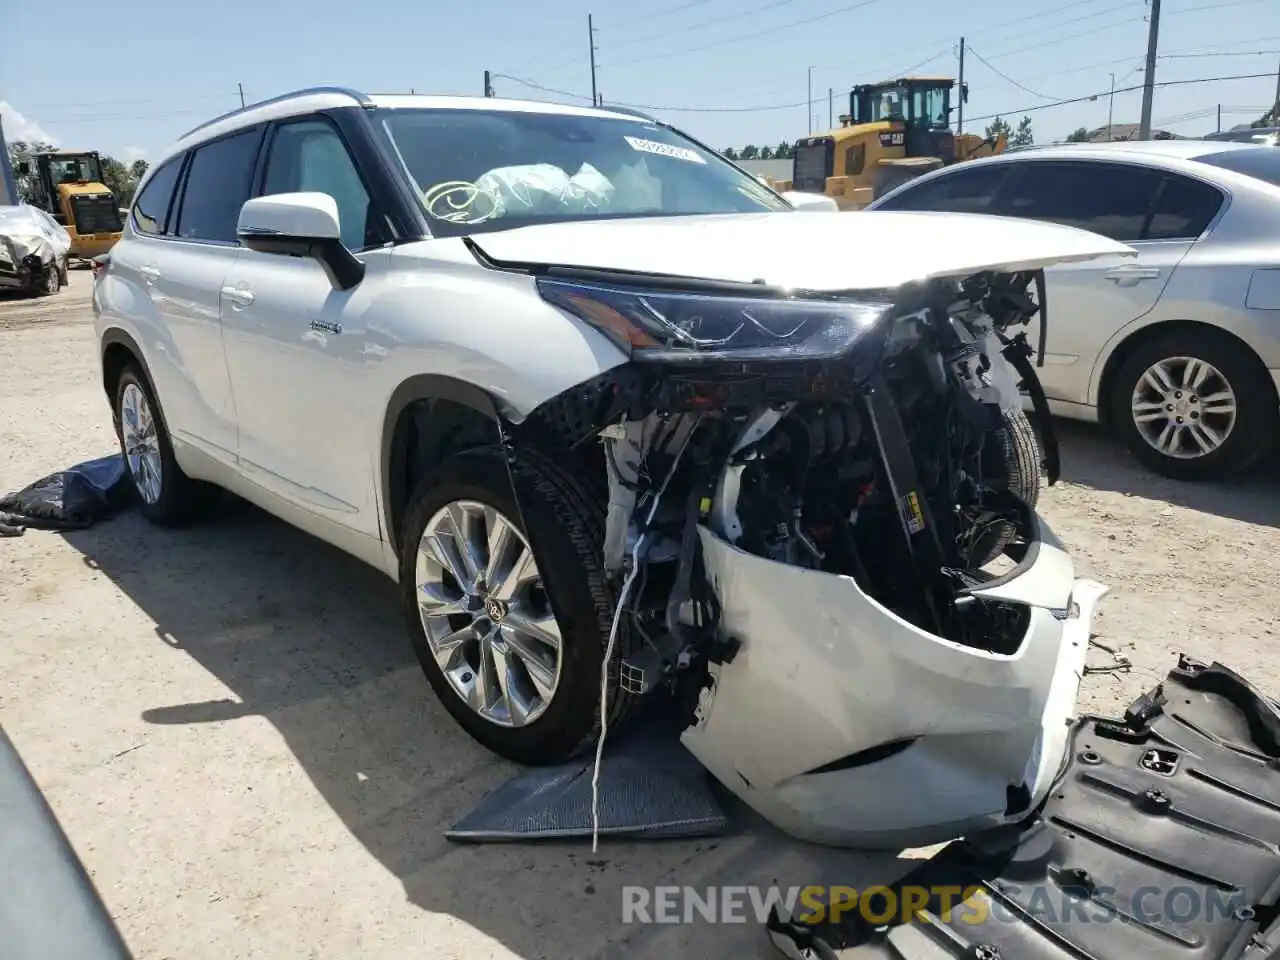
(819, 253)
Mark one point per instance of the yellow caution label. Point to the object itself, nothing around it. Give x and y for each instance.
(914, 514)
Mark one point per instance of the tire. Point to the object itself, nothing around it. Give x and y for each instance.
(171, 498)
(565, 531)
(1233, 370)
(1016, 455)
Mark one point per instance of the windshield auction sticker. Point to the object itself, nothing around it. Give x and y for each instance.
(664, 149)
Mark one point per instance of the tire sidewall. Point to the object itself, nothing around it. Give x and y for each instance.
(1253, 434)
(166, 507)
(481, 475)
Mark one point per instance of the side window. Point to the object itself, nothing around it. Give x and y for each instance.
(964, 191)
(217, 187)
(1183, 210)
(151, 206)
(1110, 199)
(309, 156)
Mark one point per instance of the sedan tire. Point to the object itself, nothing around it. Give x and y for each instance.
(1195, 405)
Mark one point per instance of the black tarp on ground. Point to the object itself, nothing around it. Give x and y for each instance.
(69, 499)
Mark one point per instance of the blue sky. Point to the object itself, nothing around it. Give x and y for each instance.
(129, 83)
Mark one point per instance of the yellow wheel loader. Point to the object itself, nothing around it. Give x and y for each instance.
(894, 131)
(69, 186)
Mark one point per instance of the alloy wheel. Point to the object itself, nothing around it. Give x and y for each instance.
(141, 443)
(486, 615)
(1184, 407)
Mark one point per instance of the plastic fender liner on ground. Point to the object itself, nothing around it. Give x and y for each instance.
(1161, 839)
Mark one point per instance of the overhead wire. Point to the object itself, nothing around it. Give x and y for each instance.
(1000, 73)
(849, 8)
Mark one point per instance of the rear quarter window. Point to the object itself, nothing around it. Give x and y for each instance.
(151, 207)
(1184, 209)
(1261, 162)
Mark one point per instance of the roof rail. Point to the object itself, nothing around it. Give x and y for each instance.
(356, 95)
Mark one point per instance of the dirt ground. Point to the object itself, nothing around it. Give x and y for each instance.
(230, 725)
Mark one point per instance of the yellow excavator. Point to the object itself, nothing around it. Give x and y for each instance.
(69, 187)
(894, 131)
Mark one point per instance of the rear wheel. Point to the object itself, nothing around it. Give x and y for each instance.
(166, 496)
(1195, 405)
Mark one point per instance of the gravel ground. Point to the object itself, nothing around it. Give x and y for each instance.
(230, 725)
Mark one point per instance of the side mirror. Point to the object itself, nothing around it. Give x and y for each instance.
(810, 202)
(300, 225)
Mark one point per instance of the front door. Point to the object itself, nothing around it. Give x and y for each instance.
(297, 347)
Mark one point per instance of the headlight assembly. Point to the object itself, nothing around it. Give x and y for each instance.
(659, 325)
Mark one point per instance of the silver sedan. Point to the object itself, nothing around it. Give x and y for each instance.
(1178, 350)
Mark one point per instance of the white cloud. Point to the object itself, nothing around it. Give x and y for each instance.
(130, 154)
(19, 127)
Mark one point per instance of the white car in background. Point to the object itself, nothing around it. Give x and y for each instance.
(1177, 351)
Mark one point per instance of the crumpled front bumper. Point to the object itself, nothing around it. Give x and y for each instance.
(844, 724)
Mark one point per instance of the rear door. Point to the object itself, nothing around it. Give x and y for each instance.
(1160, 215)
(186, 273)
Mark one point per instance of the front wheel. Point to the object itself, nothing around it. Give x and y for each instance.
(1195, 405)
(508, 605)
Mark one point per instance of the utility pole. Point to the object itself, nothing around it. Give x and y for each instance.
(591, 35)
(1149, 77)
(1219, 118)
(241, 88)
(1111, 108)
(811, 101)
(1275, 108)
(831, 107)
(488, 85)
(960, 90)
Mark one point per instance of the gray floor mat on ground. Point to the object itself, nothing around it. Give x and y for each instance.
(651, 788)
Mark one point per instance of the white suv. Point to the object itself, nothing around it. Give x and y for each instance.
(611, 411)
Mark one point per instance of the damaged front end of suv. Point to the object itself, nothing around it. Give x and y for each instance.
(821, 525)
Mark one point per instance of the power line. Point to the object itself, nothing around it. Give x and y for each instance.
(748, 36)
(659, 13)
(630, 42)
(1005, 76)
(1104, 93)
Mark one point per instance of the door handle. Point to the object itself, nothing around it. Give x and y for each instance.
(239, 296)
(149, 275)
(1129, 275)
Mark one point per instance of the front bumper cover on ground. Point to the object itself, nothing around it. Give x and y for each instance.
(1161, 838)
(843, 724)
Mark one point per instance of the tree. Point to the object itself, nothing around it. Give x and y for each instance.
(729, 153)
(750, 152)
(766, 153)
(784, 151)
(1079, 135)
(138, 169)
(998, 127)
(1023, 137)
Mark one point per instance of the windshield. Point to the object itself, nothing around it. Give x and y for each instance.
(1262, 163)
(480, 170)
(71, 169)
(888, 103)
(929, 107)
